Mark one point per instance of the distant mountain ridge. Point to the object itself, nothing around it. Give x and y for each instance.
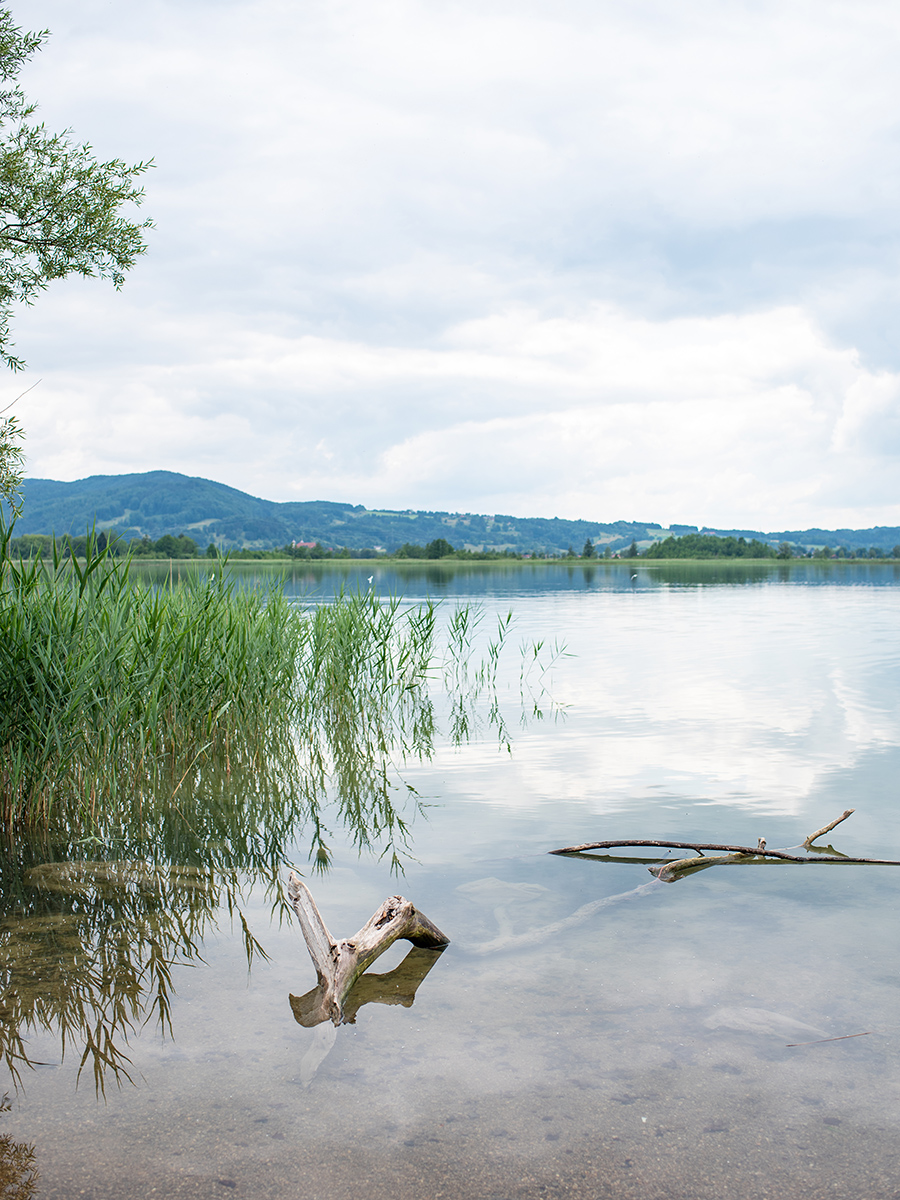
(155, 503)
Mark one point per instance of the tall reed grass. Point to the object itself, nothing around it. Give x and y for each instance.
(111, 691)
(161, 748)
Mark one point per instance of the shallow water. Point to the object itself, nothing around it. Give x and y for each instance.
(666, 1043)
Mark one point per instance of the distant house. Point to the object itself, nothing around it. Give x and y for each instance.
(304, 545)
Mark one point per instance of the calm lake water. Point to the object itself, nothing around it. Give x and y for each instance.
(590, 1031)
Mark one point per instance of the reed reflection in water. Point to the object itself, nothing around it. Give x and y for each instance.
(18, 1167)
(95, 921)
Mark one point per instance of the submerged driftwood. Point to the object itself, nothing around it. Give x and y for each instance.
(396, 987)
(668, 872)
(340, 964)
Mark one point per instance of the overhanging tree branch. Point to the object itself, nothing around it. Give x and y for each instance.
(62, 212)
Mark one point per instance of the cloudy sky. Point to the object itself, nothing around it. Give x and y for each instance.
(546, 257)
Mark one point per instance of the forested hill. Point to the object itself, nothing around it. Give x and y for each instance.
(161, 502)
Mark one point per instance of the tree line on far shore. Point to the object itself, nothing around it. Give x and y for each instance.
(182, 546)
(33, 545)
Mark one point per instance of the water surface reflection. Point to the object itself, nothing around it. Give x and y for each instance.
(649, 1049)
(449, 578)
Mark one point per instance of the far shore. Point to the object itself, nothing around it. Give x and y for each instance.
(449, 561)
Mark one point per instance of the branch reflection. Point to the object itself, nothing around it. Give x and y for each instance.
(394, 987)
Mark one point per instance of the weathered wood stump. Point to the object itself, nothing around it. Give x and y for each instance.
(340, 964)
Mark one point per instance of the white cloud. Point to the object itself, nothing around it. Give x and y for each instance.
(734, 419)
(870, 421)
(575, 259)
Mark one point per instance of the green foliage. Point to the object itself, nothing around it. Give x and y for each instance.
(316, 551)
(439, 548)
(588, 551)
(410, 550)
(104, 684)
(111, 690)
(159, 502)
(708, 545)
(166, 547)
(160, 750)
(287, 709)
(60, 208)
(33, 545)
(484, 555)
(11, 463)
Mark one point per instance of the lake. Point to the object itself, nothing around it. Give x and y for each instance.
(590, 1031)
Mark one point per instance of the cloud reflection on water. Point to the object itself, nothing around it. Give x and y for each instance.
(742, 698)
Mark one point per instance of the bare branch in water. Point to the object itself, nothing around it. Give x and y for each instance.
(827, 828)
(669, 871)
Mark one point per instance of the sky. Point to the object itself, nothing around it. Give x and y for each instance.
(612, 261)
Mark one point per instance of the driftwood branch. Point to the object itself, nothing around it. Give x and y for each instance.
(698, 846)
(340, 964)
(674, 869)
(396, 987)
(827, 828)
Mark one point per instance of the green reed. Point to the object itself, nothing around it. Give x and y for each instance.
(112, 691)
(163, 749)
(160, 751)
